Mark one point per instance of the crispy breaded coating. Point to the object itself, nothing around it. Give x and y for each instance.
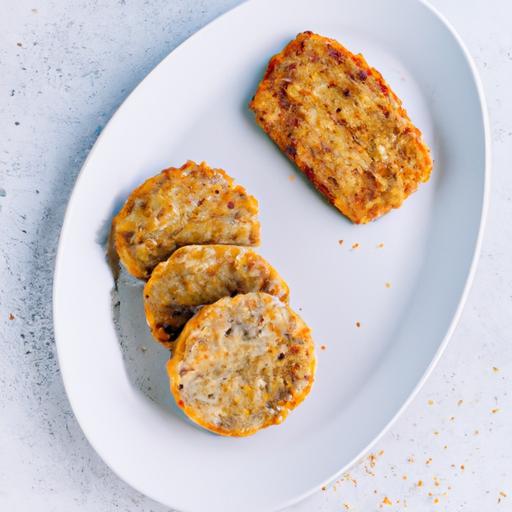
(196, 275)
(194, 204)
(339, 121)
(241, 364)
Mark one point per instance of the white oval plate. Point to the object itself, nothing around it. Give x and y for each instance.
(194, 106)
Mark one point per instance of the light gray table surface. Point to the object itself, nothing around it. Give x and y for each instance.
(65, 67)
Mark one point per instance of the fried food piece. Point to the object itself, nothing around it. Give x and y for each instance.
(190, 205)
(241, 364)
(202, 274)
(346, 130)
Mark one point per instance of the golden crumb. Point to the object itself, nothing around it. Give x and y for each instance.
(430, 402)
(445, 447)
(462, 467)
(460, 402)
(420, 483)
(404, 477)
(292, 177)
(380, 246)
(495, 410)
(358, 324)
(428, 461)
(410, 459)
(437, 482)
(381, 453)
(11, 316)
(430, 493)
(495, 369)
(324, 488)
(436, 500)
(346, 506)
(355, 245)
(340, 242)
(504, 494)
(386, 501)
(452, 418)
(436, 433)
(322, 347)
(388, 285)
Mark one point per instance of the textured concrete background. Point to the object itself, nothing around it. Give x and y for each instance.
(65, 66)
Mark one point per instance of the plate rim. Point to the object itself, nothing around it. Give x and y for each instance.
(483, 109)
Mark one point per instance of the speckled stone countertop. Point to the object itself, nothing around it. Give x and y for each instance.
(65, 66)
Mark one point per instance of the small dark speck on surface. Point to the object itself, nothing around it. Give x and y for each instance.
(19, 44)
(17, 123)
(12, 92)
(3, 193)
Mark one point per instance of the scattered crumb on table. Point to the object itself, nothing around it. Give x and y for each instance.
(355, 245)
(358, 324)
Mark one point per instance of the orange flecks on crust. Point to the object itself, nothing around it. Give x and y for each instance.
(338, 120)
(196, 275)
(193, 204)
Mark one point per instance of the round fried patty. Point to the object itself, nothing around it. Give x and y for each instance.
(190, 205)
(196, 275)
(241, 364)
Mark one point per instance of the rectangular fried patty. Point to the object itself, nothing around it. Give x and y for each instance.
(341, 124)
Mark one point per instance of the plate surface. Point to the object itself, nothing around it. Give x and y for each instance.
(194, 106)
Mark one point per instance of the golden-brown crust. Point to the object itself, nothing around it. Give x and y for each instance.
(342, 125)
(194, 204)
(196, 275)
(241, 364)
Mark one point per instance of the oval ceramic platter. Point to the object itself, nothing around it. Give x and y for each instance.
(194, 106)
